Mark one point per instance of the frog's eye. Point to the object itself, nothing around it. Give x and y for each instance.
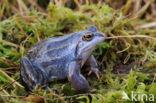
(87, 37)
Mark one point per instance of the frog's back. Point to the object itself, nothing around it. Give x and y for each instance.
(53, 50)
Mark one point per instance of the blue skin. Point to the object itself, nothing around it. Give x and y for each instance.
(60, 58)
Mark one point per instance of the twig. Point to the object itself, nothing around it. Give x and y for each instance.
(5, 92)
(149, 25)
(9, 72)
(11, 96)
(124, 49)
(9, 61)
(21, 29)
(4, 62)
(9, 68)
(34, 4)
(9, 84)
(77, 3)
(13, 81)
(12, 44)
(143, 9)
(22, 6)
(132, 36)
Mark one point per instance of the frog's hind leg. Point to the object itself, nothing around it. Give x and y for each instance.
(31, 75)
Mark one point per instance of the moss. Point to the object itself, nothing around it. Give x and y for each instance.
(19, 33)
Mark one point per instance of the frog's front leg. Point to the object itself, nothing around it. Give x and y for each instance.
(92, 66)
(76, 78)
(31, 75)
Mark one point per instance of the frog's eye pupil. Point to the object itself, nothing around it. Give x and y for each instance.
(88, 37)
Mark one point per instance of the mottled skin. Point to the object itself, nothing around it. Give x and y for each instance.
(61, 57)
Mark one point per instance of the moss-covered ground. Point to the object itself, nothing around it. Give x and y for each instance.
(126, 59)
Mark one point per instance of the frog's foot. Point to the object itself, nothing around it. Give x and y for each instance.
(31, 75)
(95, 71)
(92, 66)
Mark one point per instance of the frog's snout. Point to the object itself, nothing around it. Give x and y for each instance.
(101, 35)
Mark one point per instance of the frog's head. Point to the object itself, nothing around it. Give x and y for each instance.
(88, 41)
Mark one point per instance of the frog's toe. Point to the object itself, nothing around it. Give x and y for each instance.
(96, 72)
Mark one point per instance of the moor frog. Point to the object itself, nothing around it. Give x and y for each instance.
(60, 58)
